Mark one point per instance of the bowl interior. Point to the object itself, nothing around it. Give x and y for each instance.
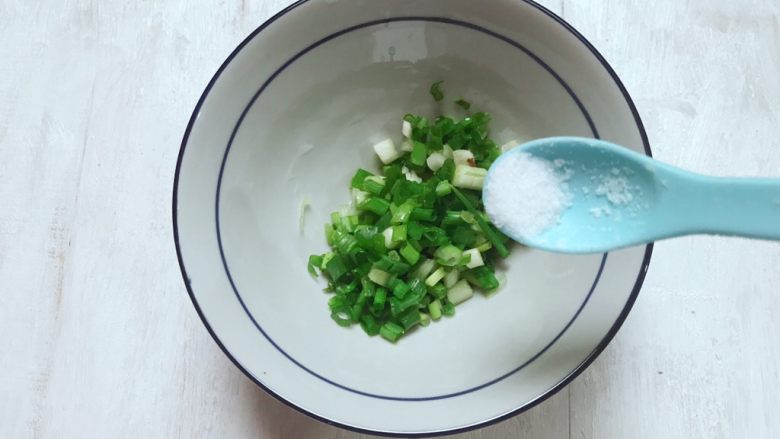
(309, 148)
(271, 135)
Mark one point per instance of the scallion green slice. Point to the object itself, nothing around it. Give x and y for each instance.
(391, 332)
(436, 91)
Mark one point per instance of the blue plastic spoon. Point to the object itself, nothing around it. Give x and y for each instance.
(665, 201)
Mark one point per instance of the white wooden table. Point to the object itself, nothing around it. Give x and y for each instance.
(98, 337)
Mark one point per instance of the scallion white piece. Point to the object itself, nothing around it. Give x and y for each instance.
(411, 175)
(386, 151)
(378, 276)
(475, 258)
(435, 161)
(406, 129)
(425, 269)
(468, 177)
(451, 278)
(435, 277)
(463, 157)
(460, 292)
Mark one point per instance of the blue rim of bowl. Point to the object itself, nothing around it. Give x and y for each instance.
(547, 394)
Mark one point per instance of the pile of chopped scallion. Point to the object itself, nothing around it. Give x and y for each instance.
(416, 241)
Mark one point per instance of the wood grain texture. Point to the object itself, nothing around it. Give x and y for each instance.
(99, 338)
(698, 356)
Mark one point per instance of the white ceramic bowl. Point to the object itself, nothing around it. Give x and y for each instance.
(294, 111)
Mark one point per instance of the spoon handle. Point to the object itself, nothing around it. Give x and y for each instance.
(747, 207)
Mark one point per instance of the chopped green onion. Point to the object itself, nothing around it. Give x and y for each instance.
(402, 213)
(335, 268)
(451, 218)
(399, 234)
(447, 151)
(418, 154)
(369, 324)
(436, 91)
(391, 332)
(418, 287)
(435, 309)
(467, 217)
(451, 278)
(359, 178)
(483, 277)
(387, 234)
(435, 237)
(368, 291)
(448, 309)
(386, 151)
(356, 311)
(347, 245)
(378, 276)
(415, 230)
(422, 214)
(443, 188)
(475, 258)
(376, 205)
(392, 264)
(466, 105)
(380, 297)
(486, 228)
(384, 221)
(340, 311)
(329, 231)
(463, 157)
(460, 292)
(315, 262)
(369, 239)
(410, 254)
(409, 319)
(469, 177)
(400, 289)
(414, 244)
(439, 291)
(374, 184)
(424, 269)
(435, 161)
(481, 243)
(435, 277)
(464, 236)
(447, 170)
(411, 300)
(448, 256)
(359, 196)
(406, 129)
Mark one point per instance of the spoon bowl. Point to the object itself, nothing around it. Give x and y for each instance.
(619, 198)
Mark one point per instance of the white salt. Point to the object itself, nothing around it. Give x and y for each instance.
(525, 196)
(615, 189)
